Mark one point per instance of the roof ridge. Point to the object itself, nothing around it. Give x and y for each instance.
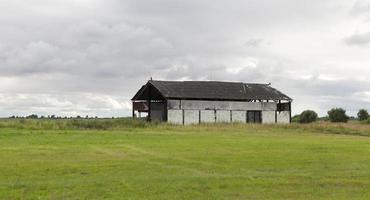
(211, 81)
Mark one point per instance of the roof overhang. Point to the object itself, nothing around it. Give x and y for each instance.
(148, 91)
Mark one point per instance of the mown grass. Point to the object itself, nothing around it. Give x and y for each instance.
(39, 160)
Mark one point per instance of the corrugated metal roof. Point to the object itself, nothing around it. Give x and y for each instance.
(215, 90)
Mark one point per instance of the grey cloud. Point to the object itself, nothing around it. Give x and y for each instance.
(361, 7)
(359, 39)
(89, 48)
(254, 42)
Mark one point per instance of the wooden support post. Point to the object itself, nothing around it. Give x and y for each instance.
(290, 112)
(165, 111)
(215, 113)
(246, 116)
(183, 117)
(231, 117)
(149, 103)
(276, 117)
(200, 116)
(133, 109)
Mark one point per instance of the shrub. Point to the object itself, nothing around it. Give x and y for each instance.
(295, 118)
(362, 115)
(308, 116)
(33, 116)
(338, 115)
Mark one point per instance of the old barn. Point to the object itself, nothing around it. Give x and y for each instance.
(192, 102)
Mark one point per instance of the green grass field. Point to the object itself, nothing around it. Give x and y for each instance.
(41, 160)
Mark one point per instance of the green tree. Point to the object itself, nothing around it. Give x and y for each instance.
(33, 116)
(295, 118)
(338, 115)
(308, 116)
(362, 115)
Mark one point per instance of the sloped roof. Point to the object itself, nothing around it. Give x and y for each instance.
(215, 90)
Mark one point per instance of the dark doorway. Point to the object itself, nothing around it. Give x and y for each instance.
(158, 111)
(254, 117)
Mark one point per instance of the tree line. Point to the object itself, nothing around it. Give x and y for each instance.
(34, 116)
(334, 115)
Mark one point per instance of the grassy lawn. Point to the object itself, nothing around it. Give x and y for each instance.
(200, 162)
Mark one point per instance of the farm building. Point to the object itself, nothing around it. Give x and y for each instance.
(192, 102)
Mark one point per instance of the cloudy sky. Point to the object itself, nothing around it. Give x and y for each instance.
(89, 57)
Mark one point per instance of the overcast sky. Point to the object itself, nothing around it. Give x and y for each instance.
(89, 57)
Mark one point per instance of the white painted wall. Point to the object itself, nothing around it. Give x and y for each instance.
(218, 105)
(173, 104)
(268, 117)
(175, 116)
(191, 111)
(191, 117)
(207, 116)
(223, 115)
(283, 117)
(239, 116)
(269, 106)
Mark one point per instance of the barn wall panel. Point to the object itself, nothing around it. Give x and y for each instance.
(191, 116)
(269, 106)
(223, 105)
(234, 105)
(173, 104)
(204, 105)
(239, 116)
(253, 106)
(175, 116)
(207, 116)
(283, 117)
(268, 117)
(223, 116)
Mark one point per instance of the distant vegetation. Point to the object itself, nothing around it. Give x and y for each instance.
(68, 124)
(362, 115)
(307, 116)
(338, 115)
(34, 116)
(54, 122)
(334, 115)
